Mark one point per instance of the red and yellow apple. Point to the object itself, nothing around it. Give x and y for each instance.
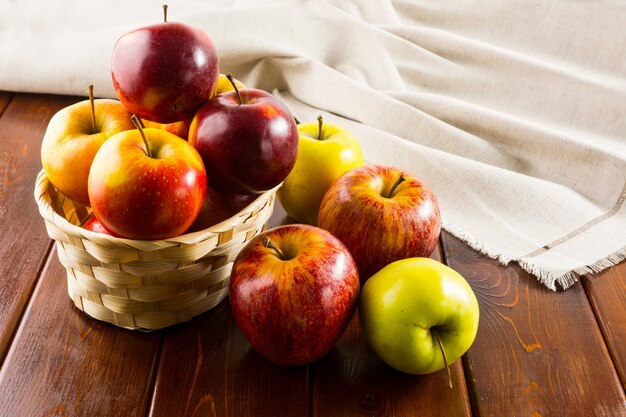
(382, 214)
(248, 141)
(164, 72)
(325, 152)
(72, 139)
(293, 290)
(147, 184)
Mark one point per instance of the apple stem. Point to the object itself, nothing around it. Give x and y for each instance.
(267, 242)
(395, 185)
(445, 360)
(165, 13)
(139, 125)
(232, 81)
(320, 122)
(93, 109)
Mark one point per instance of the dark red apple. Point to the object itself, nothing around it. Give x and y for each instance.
(248, 141)
(293, 290)
(164, 72)
(382, 214)
(218, 207)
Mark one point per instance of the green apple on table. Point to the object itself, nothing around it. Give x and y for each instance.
(418, 315)
(325, 152)
(72, 138)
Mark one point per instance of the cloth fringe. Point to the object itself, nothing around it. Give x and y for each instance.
(544, 276)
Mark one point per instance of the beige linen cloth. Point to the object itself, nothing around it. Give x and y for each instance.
(513, 111)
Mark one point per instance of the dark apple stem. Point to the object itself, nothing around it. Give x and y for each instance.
(93, 109)
(445, 360)
(295, 119)
(232, 81)
(141, 123)
(165, 13)
(395, 185)
(267, 242)
(138, 125)
(320, 122)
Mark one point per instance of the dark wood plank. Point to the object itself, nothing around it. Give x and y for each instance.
(537, 352)
(607, 294)
(5, 98)
(207, 367)
(67, 364)
(25, 242)
(351, 380)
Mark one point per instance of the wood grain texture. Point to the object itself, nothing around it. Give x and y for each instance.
(25, 242)
(352, 381)
(64, 363)
(5, 98)
(607, 294)
(537, 352)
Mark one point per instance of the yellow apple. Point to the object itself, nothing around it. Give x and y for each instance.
(325, 152)
(72, 138)
(224, 85)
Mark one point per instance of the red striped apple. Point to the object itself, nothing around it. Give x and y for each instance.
(147, 184)
(382, 214)
(293, 290)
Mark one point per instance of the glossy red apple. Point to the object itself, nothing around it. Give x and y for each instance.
(248, 141)
(147, 184)
(293, 290)
(164, 72)
(382, 214)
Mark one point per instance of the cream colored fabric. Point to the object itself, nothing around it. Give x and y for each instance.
(514, 112)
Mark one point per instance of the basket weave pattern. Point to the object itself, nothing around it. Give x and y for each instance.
(146, 285)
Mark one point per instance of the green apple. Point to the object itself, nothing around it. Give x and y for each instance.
(325, 152)
(418, 315)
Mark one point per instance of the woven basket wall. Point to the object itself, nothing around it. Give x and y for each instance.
(146, 285)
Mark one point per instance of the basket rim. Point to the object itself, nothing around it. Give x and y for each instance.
(49, 214)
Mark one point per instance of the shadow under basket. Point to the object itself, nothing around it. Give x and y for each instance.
(140, 284)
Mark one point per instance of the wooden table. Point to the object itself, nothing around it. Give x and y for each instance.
(537, 353)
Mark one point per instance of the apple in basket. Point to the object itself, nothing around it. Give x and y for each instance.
(293, 290)
(248, 141)
(164, 72)
(325, 152)
(382, 214)
(72, 138)
(218, 207)
(146, 184)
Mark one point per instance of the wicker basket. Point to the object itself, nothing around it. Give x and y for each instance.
(146, 285)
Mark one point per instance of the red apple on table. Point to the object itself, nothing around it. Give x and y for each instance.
(248, 141)
(72, 138)
(293, 290)
(147, 184)
(382, 214)
(164, 72)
